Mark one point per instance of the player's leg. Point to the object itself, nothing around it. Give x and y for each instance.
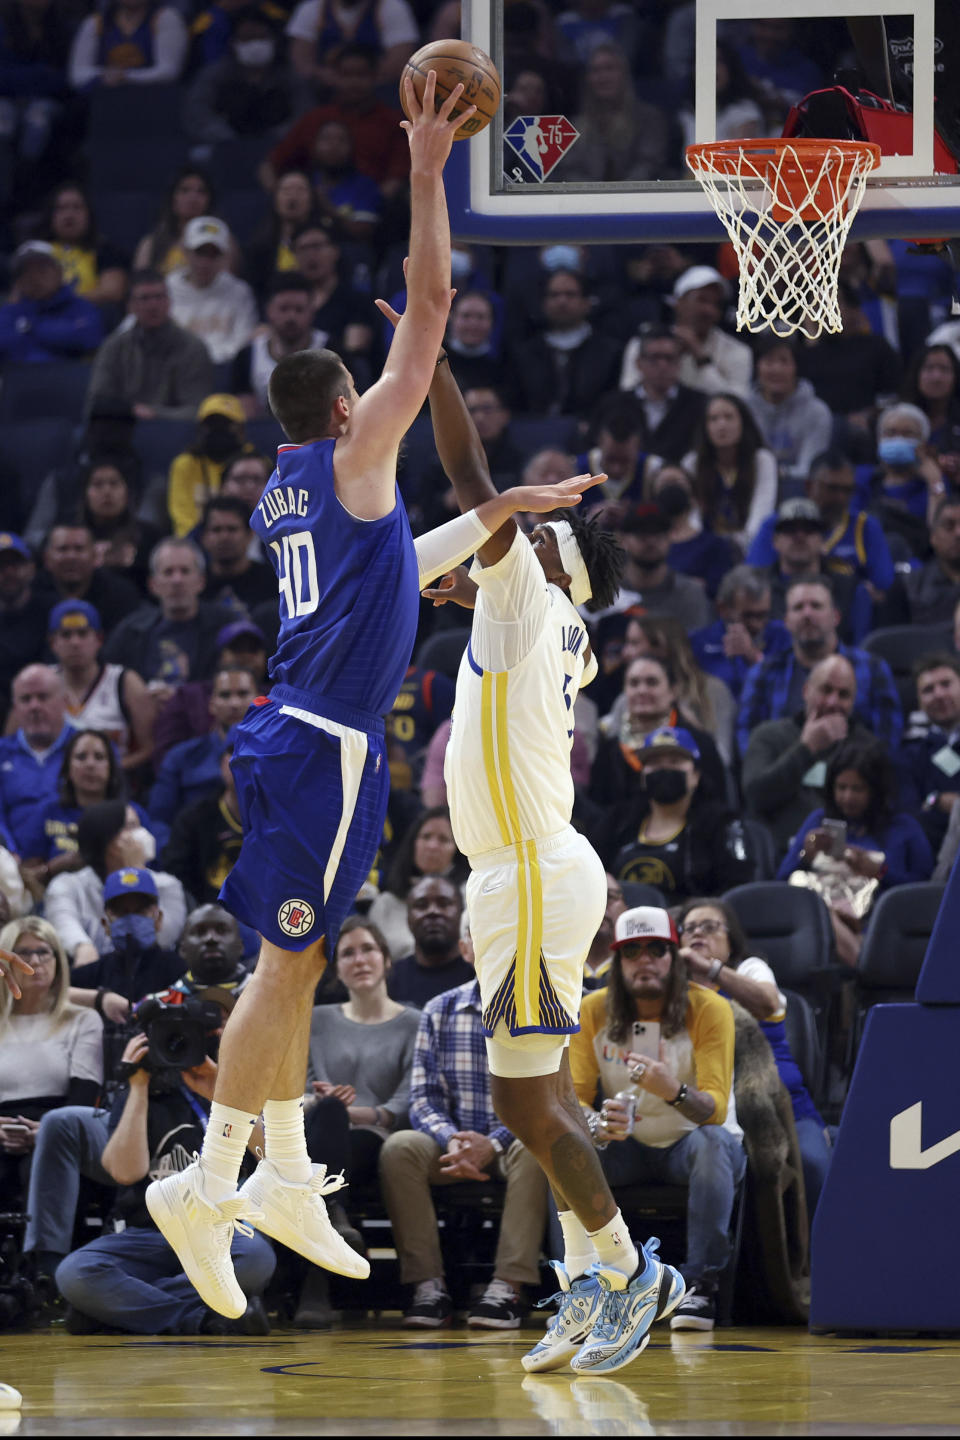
(197, 1209)
(286, 1191)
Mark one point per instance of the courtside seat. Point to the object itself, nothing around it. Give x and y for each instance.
(893, 950)
(789, 926)
(804, 1041)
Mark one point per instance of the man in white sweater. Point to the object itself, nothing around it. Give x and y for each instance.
(205, 298)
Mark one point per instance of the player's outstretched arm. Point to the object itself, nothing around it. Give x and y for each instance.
(366, 455)
(445, 547)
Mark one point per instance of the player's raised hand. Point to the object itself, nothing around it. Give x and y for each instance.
(430, 131)
(456, 586)
(8, 964)
(541, 499)
(394, 316)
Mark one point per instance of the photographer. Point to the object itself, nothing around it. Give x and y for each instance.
(131, 1279)
(71, 1139)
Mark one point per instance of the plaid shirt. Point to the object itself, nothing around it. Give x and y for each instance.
(450, 1082)
(766, 694)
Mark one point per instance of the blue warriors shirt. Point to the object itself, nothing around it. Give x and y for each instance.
(349, 591)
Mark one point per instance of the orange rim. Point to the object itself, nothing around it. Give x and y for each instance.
(726, 157)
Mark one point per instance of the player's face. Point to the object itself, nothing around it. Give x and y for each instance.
(547, 551)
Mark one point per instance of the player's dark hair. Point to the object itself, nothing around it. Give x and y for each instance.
(302, 391)
(602, 554)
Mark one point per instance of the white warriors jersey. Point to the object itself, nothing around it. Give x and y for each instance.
(507, 765)
(102, 708)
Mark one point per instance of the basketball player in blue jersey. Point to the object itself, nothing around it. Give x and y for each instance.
(537, 891)
(310, 762)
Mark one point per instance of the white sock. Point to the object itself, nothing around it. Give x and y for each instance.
(615, 1248)
(224, 1146)
(286, 1141)
(579, 1250)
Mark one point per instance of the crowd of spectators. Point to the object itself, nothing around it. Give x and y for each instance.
(782, 504)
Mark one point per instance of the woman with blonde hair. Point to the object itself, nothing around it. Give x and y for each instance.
(51, 1052)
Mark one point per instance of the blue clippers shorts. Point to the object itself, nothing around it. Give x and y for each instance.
(313, 783)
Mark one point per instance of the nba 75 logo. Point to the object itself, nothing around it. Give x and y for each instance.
(295, 917)
(540, 141)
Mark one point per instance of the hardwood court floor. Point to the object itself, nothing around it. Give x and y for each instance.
(376, 1379)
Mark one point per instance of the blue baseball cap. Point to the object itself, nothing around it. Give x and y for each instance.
(670, 737)
(74, 615)
(130, 881)
(10, 542)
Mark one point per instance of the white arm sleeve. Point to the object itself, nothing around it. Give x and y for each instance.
(449, 545)
(512, 605)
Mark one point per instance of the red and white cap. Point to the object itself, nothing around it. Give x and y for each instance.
(645, 922)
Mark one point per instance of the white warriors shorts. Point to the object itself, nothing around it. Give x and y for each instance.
(534, 910)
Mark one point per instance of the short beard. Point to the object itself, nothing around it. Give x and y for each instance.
(437, 948)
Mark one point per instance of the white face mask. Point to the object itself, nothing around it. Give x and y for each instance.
(146, 841)
(255, 52)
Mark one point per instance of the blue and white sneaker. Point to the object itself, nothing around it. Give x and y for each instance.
(580, 1304)
(628, 1311)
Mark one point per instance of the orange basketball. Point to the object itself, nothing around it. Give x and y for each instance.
(457, 62)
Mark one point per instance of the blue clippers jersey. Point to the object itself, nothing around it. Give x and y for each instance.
(349, 591)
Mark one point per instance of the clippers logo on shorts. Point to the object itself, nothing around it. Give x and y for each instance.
(295, 918)
(540, 141)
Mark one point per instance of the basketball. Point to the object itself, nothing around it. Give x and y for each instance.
(457, 62)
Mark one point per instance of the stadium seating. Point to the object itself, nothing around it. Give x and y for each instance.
(57, 391)
(894, 946)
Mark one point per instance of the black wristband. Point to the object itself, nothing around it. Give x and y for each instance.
(680, 1096)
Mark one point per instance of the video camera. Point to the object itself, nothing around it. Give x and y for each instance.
(178, 1032)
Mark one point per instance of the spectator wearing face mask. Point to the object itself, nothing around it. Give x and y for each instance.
(249, 90)
(195, 475)
(908, 484)
(135, 964)
(110, 837)
(695, 550)
(668, 841)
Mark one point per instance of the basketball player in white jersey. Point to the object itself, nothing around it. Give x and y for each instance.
(537, 891)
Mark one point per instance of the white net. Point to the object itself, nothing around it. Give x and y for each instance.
(787, 207)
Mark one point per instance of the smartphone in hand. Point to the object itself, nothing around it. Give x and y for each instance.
(646, 1039)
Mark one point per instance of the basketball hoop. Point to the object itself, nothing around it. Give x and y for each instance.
(787, 206)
